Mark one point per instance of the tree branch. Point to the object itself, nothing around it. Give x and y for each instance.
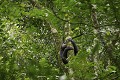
(55, 13)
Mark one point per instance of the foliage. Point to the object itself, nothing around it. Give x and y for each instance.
(31, 33)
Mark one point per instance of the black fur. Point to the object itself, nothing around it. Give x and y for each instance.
(66, 51)
(74, 45)
(63, 53)
(62, 49)
(65, 61)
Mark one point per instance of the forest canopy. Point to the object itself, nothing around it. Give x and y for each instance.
(32, 32)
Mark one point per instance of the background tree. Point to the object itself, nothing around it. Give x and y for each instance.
(32, 31)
